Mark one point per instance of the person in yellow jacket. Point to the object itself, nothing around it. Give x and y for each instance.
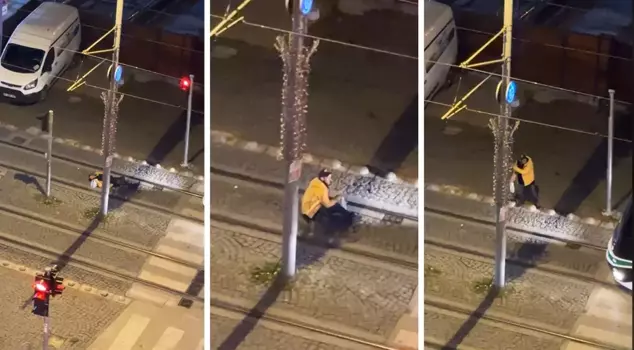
(318, 206)
(96, 180)
(524, 172)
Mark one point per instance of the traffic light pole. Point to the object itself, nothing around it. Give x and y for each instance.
(49, 154)
(189, 120)
(46, 332)
(111, 105)
(502, 145)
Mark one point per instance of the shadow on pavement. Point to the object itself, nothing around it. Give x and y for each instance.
(28, 180)
(472, 321)
(250, 321)
(174, 135)
(399, 142)
(594, 171)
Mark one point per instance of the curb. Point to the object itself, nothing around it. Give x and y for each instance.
(36, 132)
(458, 192)
(228, 139)
(70, 284)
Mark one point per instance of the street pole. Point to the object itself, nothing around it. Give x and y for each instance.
(49, 154)
(110, 117)
(189, 120)
(291, 148)
(501, 182)
(608, 201)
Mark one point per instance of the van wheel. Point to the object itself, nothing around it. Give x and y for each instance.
(44, 94)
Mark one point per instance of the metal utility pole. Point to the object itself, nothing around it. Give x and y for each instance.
(503, 153)
(189, 119)
(111, 111)
(608, 200)
(49, 154)
(296, 68)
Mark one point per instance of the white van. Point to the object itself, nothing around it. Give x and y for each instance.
(441, 46)
(40, 49)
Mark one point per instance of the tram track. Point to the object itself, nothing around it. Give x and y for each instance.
(87, 190)
(483, 222)
(224, 219)
(92, 167)
(293, 324)
(278, 185)
(86, 263)
(477, 314)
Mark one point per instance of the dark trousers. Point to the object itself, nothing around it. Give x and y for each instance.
(334, 219)
(117, 181)
(529, 193)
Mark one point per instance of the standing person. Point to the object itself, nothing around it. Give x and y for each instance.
(318, 206)
(524, 169)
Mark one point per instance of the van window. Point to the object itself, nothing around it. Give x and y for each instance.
(50, 58)
(22, 59)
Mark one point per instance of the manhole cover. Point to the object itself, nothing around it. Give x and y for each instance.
(18, 140)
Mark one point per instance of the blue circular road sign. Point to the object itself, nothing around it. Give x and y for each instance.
(510, 92)
(306, 6)
(118, 73)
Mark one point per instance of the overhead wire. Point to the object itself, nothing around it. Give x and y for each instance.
(530, 82)
(123, 34)
(332, 41)
(62, 78)
(456, 66)
(528, 121)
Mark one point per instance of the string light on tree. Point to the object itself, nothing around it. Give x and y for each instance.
(114, 114)
(293, 113)
(502, 138)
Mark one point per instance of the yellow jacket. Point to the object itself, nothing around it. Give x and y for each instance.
(98, 175)
(527, 173)
(315, 197)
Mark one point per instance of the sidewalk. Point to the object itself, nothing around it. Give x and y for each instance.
(569, 167)
(334, 290)
(147, 326)
(69, 149)
(551, 302)
(259, 161)
(75, 318)
(595, 233)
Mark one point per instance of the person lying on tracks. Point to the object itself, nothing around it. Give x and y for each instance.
(96, 180)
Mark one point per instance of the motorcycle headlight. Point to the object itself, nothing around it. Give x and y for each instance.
(30, 85)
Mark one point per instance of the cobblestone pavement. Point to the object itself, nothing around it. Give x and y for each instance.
(332, 287)
(263, 206)
(442, 327)
(127, 222)
(367, 190)
(607, 319)
(481, 239)
(569, 166)
(521, 219)
(76, 318)
(143, 127)
(270, 336)
(537, 298)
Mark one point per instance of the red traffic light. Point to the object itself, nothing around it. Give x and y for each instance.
(185, 83)
(40, 286)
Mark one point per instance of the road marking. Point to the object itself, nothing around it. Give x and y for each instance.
(170, 266)
(165, 281)
(169, 339)
(130, 333)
